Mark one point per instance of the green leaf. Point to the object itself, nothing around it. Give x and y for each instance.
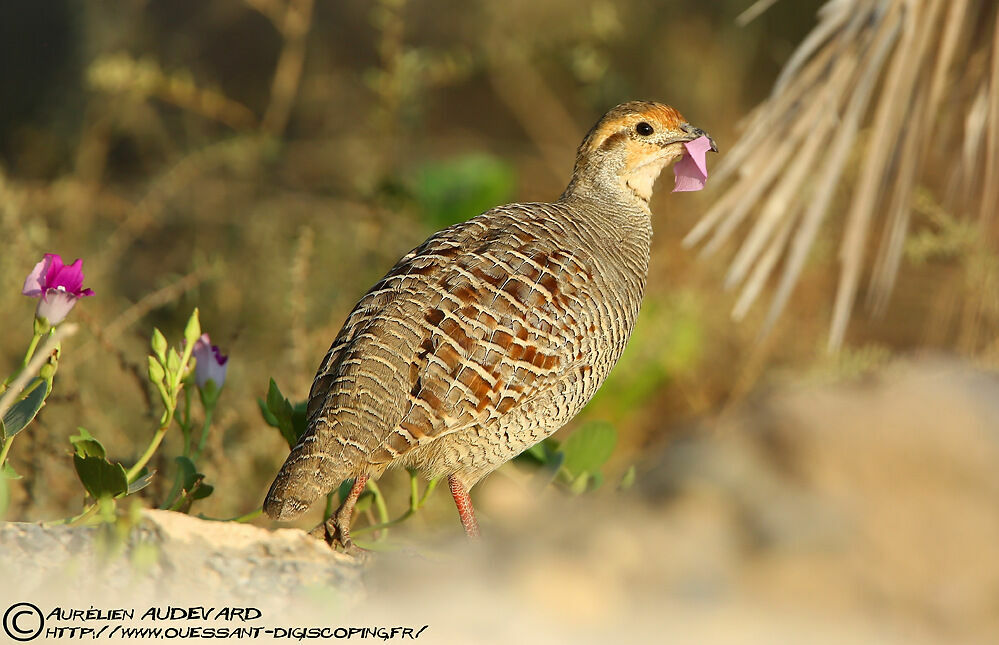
(288, 431)
(100, 477)
(588, 448)
(539, 452)
(21, 413)
(188, 472)
(265, 412)
(8, 472)
(578, 485)
(191, 480)
(299, 419)
(275, 400)
(192, 483)
(202, 491)
(144, 479)
(628, 480)
(344, 489)
(87, 445)
(156, 373)
(282, 412)
(550, 470)
(159, 345)
(453, 190)
(193, 329)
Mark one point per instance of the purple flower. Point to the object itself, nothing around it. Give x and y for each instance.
(211, 364)
(56, 286)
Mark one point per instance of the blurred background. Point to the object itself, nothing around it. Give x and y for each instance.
(268, 160)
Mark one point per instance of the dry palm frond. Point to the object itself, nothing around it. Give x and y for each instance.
(908, 87)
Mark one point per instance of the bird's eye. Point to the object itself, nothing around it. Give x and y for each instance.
(644, 129)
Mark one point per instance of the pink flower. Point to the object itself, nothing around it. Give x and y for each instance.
(211, 364)
(692, 169)
(56, 286)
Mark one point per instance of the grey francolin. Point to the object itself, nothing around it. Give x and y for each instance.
(492, 334)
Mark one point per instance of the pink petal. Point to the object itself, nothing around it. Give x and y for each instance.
(55, 265)
(688, 176)
(34, 284)
(68, 277)
(692, 170)
(698, 149)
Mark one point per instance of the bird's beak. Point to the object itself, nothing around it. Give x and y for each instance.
(696, 133)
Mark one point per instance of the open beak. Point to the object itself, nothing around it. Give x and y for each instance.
(697, 132)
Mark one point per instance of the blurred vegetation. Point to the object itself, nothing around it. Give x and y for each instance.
(268, 160)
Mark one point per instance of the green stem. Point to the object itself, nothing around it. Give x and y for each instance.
(179, 502)
(209, 411)
(76, 518)
(171, 408)
(133, 472)
(431, 485)
(185, 358)
(174, 491)
(161, 390)
(383, 514)
(384, 525)
(405, 516)
(35, 337)
(414, 491)
(5, 450)
(245, 517)
(185, 423)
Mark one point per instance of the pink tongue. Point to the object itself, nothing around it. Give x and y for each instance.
(692, 169)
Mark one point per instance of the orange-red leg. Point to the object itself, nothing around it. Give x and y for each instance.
(465, 510)
(340, 529)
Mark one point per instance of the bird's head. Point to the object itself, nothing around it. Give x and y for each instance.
(627, 149)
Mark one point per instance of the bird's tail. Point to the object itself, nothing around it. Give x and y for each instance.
(307, 474)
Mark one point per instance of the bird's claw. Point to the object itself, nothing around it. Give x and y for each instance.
(337, 539)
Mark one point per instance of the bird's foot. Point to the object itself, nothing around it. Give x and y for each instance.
(336, 537)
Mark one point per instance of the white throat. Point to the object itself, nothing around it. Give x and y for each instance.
(641, 179)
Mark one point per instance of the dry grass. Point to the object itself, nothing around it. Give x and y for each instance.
(883, 97)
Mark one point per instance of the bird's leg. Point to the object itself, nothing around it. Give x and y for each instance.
(464, 504)
(337, 527)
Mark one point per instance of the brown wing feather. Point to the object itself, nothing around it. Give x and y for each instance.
(500, 331)
(464, 328)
